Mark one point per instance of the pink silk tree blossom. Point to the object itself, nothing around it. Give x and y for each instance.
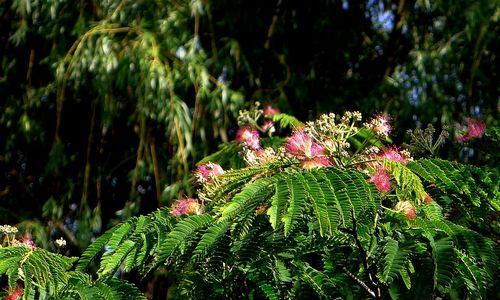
(381, 180)
(395, 154)
(301, 146)
(381, 124)
(407, 209)
(207, 172)
(16, 294)
(475, 130)
(249, 137)
(270, 111)
(188, 206)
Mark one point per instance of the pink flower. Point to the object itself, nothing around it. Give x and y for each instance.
(270, 111)
(407, 209)
(301, 146)
(27, 241)
(381, 180)
(188, 206)
(381, 124)
(475, 129)
(393, 153)
(268, 126)
(16, 294)
(427, 199)
(410, 213)
(249, 137)
(208, 171)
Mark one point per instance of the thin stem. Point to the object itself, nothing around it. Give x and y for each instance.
(90, 141)
(361, 283)
(156, 170)
(371, 275)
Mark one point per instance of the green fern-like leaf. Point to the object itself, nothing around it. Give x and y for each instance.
(476, 185)
(94, 250)
(296, 198)
(39, 270)
(181, 234)
(81, 286)
(226, 156)
(317, 280)
(409, 185)
(444, 260)
(111, 262)
(248, 198)
(323, 207)
(287, 121)
(209, 239)
(394, 261)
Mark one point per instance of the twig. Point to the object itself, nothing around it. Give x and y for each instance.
(361, 283)
(156, 170)
(371, 275)
(270, 31)
(86, 176)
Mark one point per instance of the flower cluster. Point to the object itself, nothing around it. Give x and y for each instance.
(310, 154)
(380, 124)
(16, 294)
(333, 135)
(258, 119)
(24, 241)
(249, 137)
(381, 180)
(395, 154)
(407, 209)
(60, 242)
(207, 172)
(475, 129)
(7, 229)
(188, 206)
(322, 143)
(270, 111)
(261, 156)
(268, 126)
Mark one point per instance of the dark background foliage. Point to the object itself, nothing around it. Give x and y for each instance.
(124, 144)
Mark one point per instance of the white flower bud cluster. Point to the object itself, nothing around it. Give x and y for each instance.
(60, 242)
(254, 158)
(407, 155)
(250, 117)
(334, 135)
(250, 157)
(7, 229)
(372, 150)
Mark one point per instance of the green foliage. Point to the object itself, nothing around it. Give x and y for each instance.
(286, 121)
(468, 193)
(310, 215)
(40, 270)
(394, 261)
(48, 275)
(296, 222)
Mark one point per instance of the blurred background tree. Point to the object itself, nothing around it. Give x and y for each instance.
(107, 105)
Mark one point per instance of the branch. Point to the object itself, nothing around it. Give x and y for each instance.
(371, 275)
(270, 31)
(361, 283)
